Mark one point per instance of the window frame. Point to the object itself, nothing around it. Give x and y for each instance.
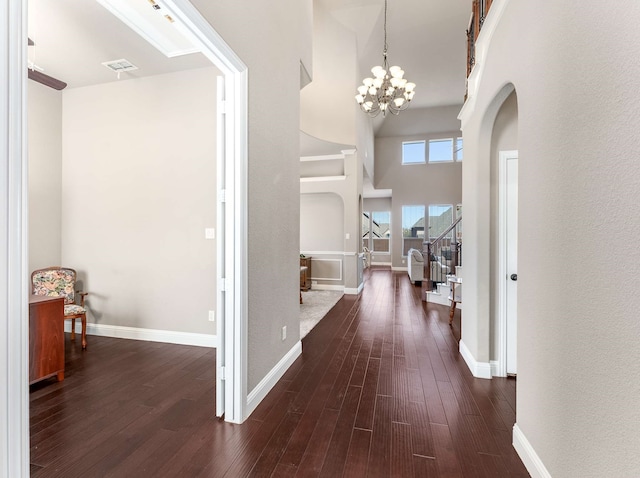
(424, 153)
(437, 140)
(456, 158)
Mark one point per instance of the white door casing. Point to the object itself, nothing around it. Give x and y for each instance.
(220, 250)
(232, 201)
(507, 262)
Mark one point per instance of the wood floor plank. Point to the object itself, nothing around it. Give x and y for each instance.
(401, 450)
(380, 456)
(380, 390)
(315, 453)
(364, 418)
(341, 438)
(358, 454)
(446, 459)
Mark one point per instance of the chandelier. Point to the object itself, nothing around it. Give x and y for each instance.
(387, 90)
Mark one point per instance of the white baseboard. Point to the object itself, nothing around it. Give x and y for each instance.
(327, 287)
(478, 369)
(380, 263)
(150, 335)
(267, 383)
(494, 368)
(399, 269)
(528, 455)
(353, 291)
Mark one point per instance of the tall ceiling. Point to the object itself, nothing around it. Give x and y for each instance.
(425, 37)
(73, 37)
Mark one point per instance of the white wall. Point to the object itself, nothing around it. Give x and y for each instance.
(45, 175)
(327, 106)
(416, 121)
(322, 237)
(417, 184)
(139, 188)
(265, 36)
(321, 222)
(578, 139)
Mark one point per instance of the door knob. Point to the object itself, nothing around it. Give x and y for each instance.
(514, 277)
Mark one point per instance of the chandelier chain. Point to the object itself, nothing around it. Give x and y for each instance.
(385, 30)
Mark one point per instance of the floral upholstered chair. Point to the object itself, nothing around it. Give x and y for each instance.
(61, 282)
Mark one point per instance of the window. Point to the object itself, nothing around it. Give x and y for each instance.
(458, 152)
(376, 231)
(381, 231)
(366, 230)
(413, 152)
(412, 228)
(440, 218)
(441, 150)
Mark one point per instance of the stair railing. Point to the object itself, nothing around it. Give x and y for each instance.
(479, 12)
(442, 255)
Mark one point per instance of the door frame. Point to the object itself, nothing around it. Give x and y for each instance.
(501, 365)
(232, 283)
(14, 287)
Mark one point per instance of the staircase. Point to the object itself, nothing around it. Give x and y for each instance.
(442, 294)
(443, 268)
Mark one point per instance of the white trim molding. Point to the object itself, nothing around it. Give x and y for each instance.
(150, 335)
(315, 286)
(14, 263)
(324, 157)
(268, 382)
(317, 179)
(400, 269)
(478, 369)
(494, 368)
(354, 291)
(528, 455)
(325, 253)
(320, 259)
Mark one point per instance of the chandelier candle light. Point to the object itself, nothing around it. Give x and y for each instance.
(387, 90)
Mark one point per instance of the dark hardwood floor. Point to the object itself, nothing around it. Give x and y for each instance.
(380, 390)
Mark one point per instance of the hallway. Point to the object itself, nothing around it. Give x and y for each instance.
(380, 390)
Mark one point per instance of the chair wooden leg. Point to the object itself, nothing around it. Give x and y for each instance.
(73, 329)
(84, 333)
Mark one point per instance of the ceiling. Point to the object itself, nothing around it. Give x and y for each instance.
(73, 37)
(425, 37)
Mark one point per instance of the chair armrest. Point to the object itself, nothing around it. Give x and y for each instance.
(82, 296)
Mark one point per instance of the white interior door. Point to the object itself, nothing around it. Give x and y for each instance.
(511, 306)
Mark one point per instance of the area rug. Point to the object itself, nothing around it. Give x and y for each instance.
(315, 305)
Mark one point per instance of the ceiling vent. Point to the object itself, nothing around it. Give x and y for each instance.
(120, 65)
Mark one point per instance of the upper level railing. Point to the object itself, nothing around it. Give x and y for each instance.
(479, 11)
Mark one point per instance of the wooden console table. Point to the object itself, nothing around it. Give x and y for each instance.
(46, 338)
